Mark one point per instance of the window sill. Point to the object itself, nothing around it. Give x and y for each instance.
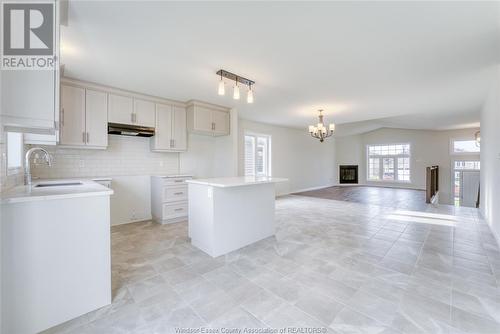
(465, 153)
(14, 171)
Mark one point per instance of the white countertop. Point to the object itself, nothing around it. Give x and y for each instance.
(226, 182)
(25, 194)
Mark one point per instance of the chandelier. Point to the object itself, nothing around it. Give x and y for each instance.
(319, 131)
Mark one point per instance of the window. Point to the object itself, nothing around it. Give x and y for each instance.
(257, 155)
(470, 165)
(14, 152)
(389, 163)
(465, 146)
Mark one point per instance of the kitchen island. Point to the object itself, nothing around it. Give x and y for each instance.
(226, 214)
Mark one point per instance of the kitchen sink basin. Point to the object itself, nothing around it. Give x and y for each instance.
(45, 185)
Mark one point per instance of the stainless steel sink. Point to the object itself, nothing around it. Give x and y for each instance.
(45, 185)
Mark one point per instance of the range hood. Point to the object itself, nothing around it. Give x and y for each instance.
(130, 130)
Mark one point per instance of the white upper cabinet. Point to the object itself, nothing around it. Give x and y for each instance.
(207, 119)
(131, 111)
(202, 120)
(179, 128)
(170, 133)
(162, 140)
(120, 109)
(144, 113)
(96, 118)
(72, 116)
(84, 118)
(29, 100)
(221, 122)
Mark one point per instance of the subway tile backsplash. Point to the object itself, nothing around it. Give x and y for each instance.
(124, 156)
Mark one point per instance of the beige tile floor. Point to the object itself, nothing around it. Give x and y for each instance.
(347, 267)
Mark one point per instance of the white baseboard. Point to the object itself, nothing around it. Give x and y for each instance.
(133, 221)
(495, 234)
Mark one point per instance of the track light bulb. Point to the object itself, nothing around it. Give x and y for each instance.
(250, 95)
(222, 88)
(236, 92)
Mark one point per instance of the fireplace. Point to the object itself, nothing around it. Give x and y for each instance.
(348, 174)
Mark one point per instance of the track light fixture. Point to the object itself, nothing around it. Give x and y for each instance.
(236, 90)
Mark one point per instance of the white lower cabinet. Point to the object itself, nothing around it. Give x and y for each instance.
(174, 193)
(175, 210)
(169, 198)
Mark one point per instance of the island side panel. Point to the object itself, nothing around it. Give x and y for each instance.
(55, 260)
(242, 215)
(201, 223)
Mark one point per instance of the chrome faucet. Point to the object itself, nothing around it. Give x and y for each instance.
(27, 168)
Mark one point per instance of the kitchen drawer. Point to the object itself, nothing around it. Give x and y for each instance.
(175, 193)
(174, 181)
(175, 210)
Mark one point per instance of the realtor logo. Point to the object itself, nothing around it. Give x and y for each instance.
(28, 35)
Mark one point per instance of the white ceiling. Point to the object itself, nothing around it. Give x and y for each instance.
(407, 64)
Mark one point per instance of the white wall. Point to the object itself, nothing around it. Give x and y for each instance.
(226, 150)
(490, 157)
(427, 148)
(305, 161)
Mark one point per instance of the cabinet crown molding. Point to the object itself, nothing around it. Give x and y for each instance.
(199, 103)
(122, 92)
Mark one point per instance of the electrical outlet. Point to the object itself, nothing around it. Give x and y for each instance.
(81, 163)
(162, 163)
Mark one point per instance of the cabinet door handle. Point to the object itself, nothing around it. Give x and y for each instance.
(173, 142)
(88, 137)
(132, 117)
(83, 137)
(178, 181)
(62, 116)
(179, 209)
(179, 193)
